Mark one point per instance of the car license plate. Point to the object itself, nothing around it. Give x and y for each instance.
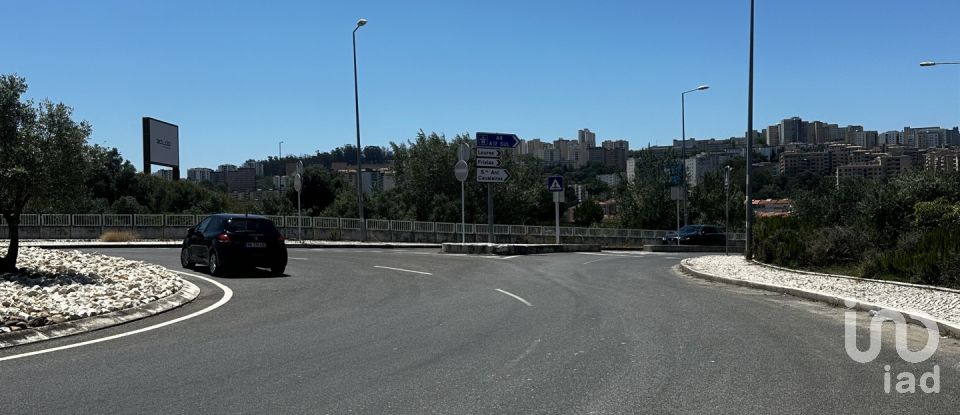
(256, 244)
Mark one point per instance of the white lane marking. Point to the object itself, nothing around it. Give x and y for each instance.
(227, 295)
(300, 259)
(515, 296)
(510, 257)
(602, 254)
(404, 270)
(524, 354)
(595, 260)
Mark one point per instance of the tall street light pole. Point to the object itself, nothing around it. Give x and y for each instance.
(748, 248)
(683, 147)
(931, 63)
(282, 171)
(356, 107)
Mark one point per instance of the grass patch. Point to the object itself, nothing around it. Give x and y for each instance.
(118, 236)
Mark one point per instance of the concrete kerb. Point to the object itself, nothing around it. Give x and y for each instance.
(515, 249)
(177, 244)
(693, 248)
(946, 327)
(820, 274)
(186, 294)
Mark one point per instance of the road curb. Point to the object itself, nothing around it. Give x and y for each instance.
(385, 245)
(821, 274)
(515, 249)
(186, 294)
(719, 249)
(177, 244)
(102, 246)
(945, 327)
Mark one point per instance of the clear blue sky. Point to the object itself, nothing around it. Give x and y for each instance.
(238, 76)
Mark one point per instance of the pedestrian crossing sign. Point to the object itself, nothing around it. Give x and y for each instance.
(555, 183)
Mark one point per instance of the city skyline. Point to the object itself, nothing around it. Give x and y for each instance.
(239, 79)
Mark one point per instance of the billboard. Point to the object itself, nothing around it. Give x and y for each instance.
(161, 145)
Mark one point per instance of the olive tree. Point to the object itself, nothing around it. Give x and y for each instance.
(41, 151)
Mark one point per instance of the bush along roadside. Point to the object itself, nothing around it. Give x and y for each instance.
(904, 229)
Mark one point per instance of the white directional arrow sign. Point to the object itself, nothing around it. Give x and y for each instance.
(485, 175)
(488, 152)
(485, 162)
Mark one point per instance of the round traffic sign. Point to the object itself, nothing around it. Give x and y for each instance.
(297, 182)
(461, 170)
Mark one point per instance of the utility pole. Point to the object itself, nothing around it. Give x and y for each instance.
(748, 248)
(726, 209)
(356, 106)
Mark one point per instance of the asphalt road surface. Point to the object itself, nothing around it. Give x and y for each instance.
(355, 331)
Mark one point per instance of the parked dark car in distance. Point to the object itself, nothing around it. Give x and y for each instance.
(229, 241)
(696, 235)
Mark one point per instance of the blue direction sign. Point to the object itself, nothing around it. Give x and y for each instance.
(555, 183)
(497, 140)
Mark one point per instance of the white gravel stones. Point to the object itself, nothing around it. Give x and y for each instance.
(941, 305)
(54, 286)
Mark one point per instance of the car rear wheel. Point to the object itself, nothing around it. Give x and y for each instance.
(216, 267)
(277, 269)
(185, 258)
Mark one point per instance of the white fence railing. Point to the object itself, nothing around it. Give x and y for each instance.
(349, 224)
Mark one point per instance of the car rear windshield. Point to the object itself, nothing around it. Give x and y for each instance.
(250, 225)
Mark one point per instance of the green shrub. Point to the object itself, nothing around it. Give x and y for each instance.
(929, 256)
(834, 246)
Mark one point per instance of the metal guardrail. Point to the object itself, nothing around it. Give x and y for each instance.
(445, 227)
(401, 226)
(86, 220)
(480, 228)
(148, 220)
(428, 227)
(466, 228)
(349, 223)
(326, 223)
(184, 221)
(377, 225)
(55, 220)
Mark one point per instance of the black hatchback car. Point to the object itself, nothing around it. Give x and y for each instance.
(696, 235)
(226, 241)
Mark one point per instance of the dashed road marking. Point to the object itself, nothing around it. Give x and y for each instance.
(517, 297)
(401, 269)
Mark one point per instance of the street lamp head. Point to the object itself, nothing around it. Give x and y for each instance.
(703, 87)
(361, 22)
(927, 63)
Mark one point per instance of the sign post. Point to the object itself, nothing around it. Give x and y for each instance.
(555, 186)
(461, 171)
(298, 186)
(676, 193)
(726, 210)
(488, 163)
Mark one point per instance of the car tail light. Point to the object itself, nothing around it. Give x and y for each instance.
(281, 238)
(223, 238)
